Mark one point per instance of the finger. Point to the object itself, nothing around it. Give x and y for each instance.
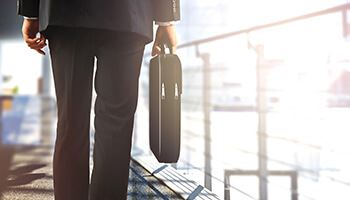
(173, 43)
(37, 44)
(39, 47)
(173, 49)
(42, 37)
(30, 41)
(156, 50)
(40, 51)
(156, 47)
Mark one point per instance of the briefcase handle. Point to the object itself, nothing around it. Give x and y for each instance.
(165, 46)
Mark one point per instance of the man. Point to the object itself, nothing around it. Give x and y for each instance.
(115, 33)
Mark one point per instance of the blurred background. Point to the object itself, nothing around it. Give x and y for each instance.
(265, 105)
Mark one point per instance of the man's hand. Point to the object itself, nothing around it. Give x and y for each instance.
(30, 29)
(165, 34)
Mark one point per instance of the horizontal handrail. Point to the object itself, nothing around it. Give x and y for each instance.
(268, 25)
(335, 9)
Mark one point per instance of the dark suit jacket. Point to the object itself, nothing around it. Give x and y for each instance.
(135, 16)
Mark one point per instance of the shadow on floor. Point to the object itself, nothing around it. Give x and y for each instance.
(25, 179)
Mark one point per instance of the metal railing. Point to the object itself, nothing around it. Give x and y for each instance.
(261, 108)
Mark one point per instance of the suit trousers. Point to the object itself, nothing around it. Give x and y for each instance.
(118, 59)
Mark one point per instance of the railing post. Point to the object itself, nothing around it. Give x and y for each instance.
(345, 24)
(294, 185)
(1, 77)
(226, 186)
(261, 111)
(207, 109)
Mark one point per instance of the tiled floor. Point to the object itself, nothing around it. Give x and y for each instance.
(30, 174)
(31, 178)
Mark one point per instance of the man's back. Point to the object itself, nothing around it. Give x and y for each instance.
(119, 15)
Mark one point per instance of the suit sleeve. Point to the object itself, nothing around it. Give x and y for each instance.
(166, 10)
(28, 8)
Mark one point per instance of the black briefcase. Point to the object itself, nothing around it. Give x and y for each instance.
(165, 89)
